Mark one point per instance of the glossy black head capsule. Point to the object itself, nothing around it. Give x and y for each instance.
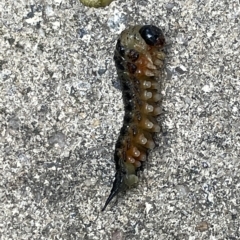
(152, 35)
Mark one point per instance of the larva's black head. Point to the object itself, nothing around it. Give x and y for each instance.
(152, 35)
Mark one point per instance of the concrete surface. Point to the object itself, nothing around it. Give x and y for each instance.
(61, 111)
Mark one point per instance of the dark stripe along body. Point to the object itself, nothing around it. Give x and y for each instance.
(139, 60)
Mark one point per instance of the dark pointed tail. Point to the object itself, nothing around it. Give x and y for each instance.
(117, 186)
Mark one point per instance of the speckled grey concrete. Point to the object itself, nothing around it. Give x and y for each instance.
(60, 115)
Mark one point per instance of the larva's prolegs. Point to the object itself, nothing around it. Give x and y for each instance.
(139, 60)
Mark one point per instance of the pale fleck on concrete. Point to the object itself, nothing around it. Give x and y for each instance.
(61, 111)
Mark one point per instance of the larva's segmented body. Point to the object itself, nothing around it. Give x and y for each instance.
(139, 59)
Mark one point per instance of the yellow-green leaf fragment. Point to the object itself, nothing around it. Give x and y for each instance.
(96, 3)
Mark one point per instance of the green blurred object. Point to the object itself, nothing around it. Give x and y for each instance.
(96, 3)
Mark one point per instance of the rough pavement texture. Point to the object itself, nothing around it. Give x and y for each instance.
(61, 111)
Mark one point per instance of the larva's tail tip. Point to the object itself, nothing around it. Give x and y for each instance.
(108, 200)
(117, 185)
(104, 207)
